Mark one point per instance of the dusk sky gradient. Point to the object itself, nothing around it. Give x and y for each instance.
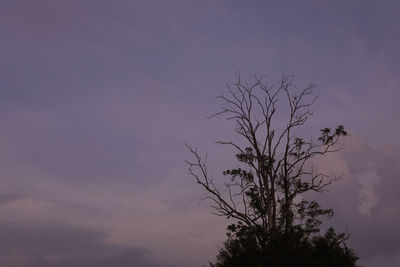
(97, 99)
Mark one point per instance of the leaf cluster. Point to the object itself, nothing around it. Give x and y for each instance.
(295, 248)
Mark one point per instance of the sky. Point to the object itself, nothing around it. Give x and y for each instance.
(97, 99)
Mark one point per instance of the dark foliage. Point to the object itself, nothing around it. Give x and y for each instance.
(294, 248)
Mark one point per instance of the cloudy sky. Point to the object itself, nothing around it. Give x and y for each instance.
(97, 99)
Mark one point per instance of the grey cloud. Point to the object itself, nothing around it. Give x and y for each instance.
(128, 258)
(366, 200)
(49, 237)
(8, 197)
(367, 195)
(56, 244)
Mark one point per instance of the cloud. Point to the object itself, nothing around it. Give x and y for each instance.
(8, 197)
(366, 200)
(164, 217)
(57, 244)
(367, 195)
(128, 258)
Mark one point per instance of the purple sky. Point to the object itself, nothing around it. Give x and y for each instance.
(98, 97)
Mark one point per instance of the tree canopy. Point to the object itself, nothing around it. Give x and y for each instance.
(275, 225)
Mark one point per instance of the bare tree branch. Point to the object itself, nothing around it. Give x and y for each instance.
(276, 163)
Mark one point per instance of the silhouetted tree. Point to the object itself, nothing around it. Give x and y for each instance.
(293, 248)
(265, 195)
